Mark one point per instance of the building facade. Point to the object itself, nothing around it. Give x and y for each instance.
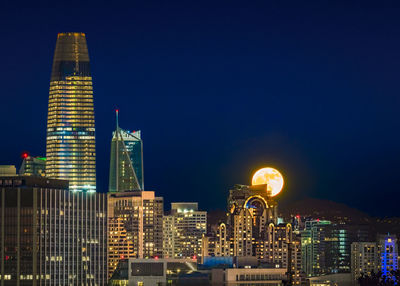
(250, 276)
(50, 235)
(282, 249)
(364, 259)
(313, 247)
(126, 163)
(70, 145)
(8, 170)
(135, 226)
(250, 210)
(326, 247)
(183, 230)
(33, 166)
(155, 271)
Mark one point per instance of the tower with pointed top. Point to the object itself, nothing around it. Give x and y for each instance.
(126, 160)
(70, 145)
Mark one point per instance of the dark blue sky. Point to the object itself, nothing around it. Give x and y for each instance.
(221, 88)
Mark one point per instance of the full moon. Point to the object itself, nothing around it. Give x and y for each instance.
(271, 177)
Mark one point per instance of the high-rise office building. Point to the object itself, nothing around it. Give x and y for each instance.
(326, 247)
(282, 249)
(33, 166)
(135, 226)
(50, 235)
(70, 149)
(183, 230)
(126, 160)
(313, 247)
(364, 259)
(338, 240)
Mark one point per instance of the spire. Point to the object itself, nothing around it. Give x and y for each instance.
(117, 151)
(116, 118)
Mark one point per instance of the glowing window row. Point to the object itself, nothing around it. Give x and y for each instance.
(75, 162)
(66, 145)
(71, 114)
(65, 117)
(78, 123)
(76, 173)
(72, 107)
(70, 119)
(68, 156)
(78, 77)
(74, 123)
(82, 94)
(71, 93)
(73, 152)
(68, 129)
(70, 102)
(55, 147)
(71, 142)
(66, 160)
(71, 137)
(78, 82)
(71, 97)
(70, 87)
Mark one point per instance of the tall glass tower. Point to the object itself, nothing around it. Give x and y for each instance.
(70, 151)
(126, 162)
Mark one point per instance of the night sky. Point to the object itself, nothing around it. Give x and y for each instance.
(222, 88)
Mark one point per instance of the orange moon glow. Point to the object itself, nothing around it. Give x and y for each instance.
(271, 177)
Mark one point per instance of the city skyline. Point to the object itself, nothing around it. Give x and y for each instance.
(276, 155)
(327, 142)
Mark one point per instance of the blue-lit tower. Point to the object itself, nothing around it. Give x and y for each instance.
(389, 253)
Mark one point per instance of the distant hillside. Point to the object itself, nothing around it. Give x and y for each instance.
(328, 210)
(337, 212)
(324, 209)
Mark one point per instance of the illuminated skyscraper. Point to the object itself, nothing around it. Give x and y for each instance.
(314, 244)
(70, 152)
(251, 210)
(126, 162)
